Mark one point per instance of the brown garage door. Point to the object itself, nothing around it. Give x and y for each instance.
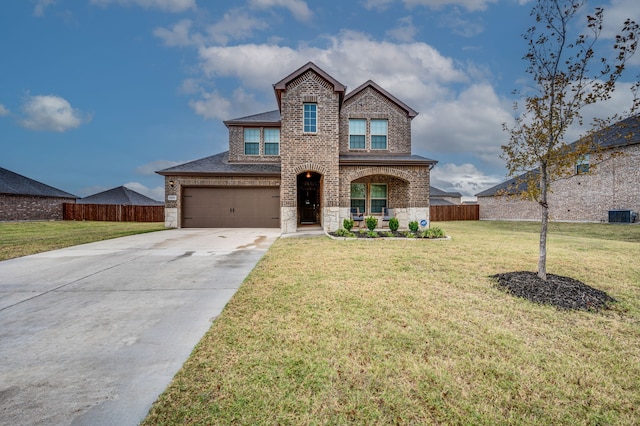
(204, 207)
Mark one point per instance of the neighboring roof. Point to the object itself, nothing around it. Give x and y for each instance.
(121, 196)
(435, 192)
(622, 133)
(390, 159)
(410, 111)
(219, 165)
(270, 118)
(281, 86)
(512, 186)
(440, 202)
(15, 184)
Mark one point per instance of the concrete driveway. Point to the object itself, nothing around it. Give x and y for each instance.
(92, 334)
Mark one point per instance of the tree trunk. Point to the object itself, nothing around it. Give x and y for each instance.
(544, 224)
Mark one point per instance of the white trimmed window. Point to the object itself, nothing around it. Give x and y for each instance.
(251, 141)
(582, 165)
(359, 196)
(357, 133)
(271, 141)
(378, 197)
(379, 134)
(310, 118)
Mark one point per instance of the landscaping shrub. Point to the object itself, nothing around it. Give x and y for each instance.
(413, 226)
(394, 224)
(372, 223)
(347, 224)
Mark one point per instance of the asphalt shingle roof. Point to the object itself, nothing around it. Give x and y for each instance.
(121, 196)
(623, 133)
(262, 118)
(15, 184)
(219, 164)
(436, 192)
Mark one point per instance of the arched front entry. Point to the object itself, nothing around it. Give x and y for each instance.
(309, 200)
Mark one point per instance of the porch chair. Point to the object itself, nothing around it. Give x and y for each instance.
(356, 216)
(387, 214)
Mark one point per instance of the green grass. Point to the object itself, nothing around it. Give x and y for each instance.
(24, 238)
(413, 332)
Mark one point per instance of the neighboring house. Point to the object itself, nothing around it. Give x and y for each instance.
(22, 198)
(438, 197)
(600, 183)
(121, 196)
(322, 152)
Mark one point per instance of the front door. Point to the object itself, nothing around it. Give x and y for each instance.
(309, 199)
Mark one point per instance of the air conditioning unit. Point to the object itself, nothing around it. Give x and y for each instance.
(622, 216)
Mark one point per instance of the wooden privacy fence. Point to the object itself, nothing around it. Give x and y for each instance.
(113, 212)
(454, 212)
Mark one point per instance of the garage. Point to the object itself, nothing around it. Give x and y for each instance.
(226, 207)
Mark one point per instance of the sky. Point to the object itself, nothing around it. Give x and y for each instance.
(96, 94)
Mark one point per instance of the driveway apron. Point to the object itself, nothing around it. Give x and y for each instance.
(92, 334)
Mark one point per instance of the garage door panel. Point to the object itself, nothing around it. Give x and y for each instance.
(210, 207)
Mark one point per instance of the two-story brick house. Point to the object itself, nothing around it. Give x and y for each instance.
(322, 152)
(602, 182)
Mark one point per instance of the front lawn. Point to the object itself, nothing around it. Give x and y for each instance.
(415, 332)
(23, 238)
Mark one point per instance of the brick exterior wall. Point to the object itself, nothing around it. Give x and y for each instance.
(370, 104)
(25, 207)
(317, 152)
(611, 185)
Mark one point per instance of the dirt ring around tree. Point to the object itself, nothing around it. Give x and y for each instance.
(562, 292)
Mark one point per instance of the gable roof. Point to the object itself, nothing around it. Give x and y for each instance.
(269, 118)
(15, 184)
(219, 165)
(281, 86)
(623, 133)
(436, 192)
(121, 196)
(410, 111)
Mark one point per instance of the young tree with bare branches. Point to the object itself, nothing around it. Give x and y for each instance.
(567, 76)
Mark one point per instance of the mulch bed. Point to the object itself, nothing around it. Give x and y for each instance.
(561, 292)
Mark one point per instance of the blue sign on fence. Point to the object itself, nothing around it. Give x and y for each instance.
(423, 222)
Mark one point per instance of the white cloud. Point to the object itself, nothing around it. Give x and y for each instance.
(178, 35)
(166, 5)
(234, 25)
(3, 111)
(41, 5)
(150, 169)
(405, 31)
(464, 178)
(377, 4)
(156, 193)
(298, 8)
(471, 124)
(51, 113)
(470, 5)
(214, 106)
(459, 24)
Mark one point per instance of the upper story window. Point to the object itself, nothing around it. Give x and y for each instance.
(310, 118)
(357, 133)
(271, 141)
(251, 141)
(582, 165)
(379, 134)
